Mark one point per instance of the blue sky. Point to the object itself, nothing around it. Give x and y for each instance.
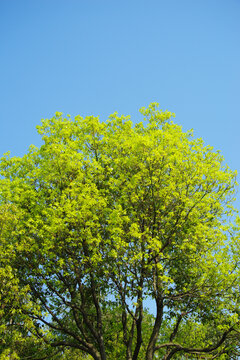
(100, 56)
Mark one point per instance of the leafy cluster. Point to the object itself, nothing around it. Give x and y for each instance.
(105, 216)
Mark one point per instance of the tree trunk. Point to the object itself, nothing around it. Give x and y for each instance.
(156, 329)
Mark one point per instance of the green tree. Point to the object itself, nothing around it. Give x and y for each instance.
(106, 215)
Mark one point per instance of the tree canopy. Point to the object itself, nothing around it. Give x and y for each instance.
(105, 217)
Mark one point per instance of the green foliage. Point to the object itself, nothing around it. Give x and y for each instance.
(100, 218)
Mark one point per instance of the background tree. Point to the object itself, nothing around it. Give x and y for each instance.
(110, 214)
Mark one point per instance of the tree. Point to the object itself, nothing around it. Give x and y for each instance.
(108, 215)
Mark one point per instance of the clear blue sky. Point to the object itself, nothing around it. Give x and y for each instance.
(100, 56)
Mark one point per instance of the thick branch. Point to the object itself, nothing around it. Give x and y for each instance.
(177, 347)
